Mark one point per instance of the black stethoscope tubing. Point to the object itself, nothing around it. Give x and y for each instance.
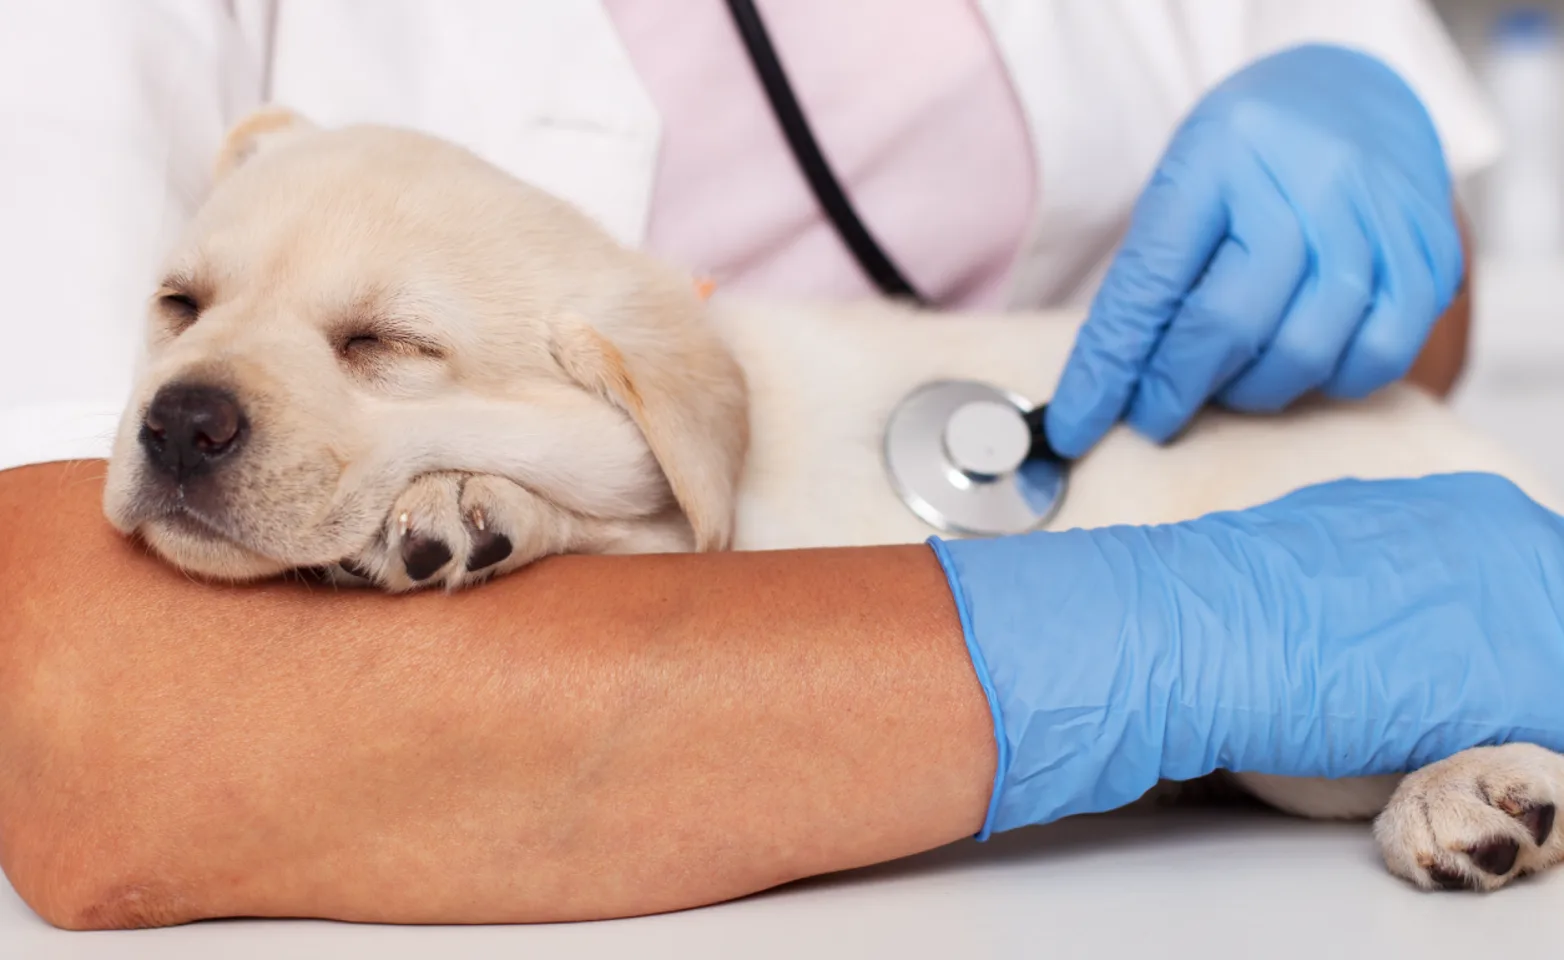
(876, 264)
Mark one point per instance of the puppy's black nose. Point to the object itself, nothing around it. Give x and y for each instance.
(189, 427)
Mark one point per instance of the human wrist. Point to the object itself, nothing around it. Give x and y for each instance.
(1079, 658)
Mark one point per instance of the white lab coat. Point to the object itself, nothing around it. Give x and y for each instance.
(113, 110)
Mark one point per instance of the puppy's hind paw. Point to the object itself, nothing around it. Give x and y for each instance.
(1475, 821)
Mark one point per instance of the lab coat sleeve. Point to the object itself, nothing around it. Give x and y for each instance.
(113, 113)
(1409, 36)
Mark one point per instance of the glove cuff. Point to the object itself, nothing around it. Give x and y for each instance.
(1076, 657)
(980, 667)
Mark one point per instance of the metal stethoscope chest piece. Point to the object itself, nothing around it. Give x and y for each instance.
(971, 459)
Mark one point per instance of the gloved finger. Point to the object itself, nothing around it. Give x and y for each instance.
(1178, 223)
(1405, 306)
(1320, 324)
(1424, 196)
(1232, 313)
(1439, 238)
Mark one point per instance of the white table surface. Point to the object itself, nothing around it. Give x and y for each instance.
(1212, 885)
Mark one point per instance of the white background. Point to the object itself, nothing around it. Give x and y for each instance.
(1514, 387)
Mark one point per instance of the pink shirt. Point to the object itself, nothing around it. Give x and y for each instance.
(914, 111)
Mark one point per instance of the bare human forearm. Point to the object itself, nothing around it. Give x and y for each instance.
(594, 737)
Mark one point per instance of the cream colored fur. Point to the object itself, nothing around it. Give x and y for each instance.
(531, 380)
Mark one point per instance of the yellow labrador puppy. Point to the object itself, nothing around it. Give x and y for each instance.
(374, 353)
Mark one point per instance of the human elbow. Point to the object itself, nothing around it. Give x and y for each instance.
(65, 850)
(81, 899)
(78, 840)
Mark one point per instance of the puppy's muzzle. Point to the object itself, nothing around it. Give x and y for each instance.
(190, 428)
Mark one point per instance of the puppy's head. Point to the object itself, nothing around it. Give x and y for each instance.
(353, 307)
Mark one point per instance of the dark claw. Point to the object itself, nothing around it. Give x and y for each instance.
(488, 548)
(1539, 820)
(1449, 879)
(1496, 856)
(422, 557)
(355, 570)
(311, 574)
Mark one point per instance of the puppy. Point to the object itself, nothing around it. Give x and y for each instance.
(375, 354)
(351, 311)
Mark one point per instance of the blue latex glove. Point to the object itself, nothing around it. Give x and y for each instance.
(1348, 629)
(1299, 233)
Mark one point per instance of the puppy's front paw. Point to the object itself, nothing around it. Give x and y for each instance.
(454, 530)
(1475, 821)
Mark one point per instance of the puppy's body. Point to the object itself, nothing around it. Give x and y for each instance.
(376, 351)
(824, 379)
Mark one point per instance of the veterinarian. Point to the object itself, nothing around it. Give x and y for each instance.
(604, 736)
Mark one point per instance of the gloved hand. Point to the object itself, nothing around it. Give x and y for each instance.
(1299, 233)
(1348, 629)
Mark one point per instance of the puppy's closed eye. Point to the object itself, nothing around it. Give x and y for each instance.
(359, 345)
(366, 347)
(389, 361)
(178, 308)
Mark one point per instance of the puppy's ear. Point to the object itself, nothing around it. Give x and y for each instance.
(677, 381)
(261, 129)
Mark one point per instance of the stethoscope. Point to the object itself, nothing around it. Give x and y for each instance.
(967, 457)
(972, 459)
